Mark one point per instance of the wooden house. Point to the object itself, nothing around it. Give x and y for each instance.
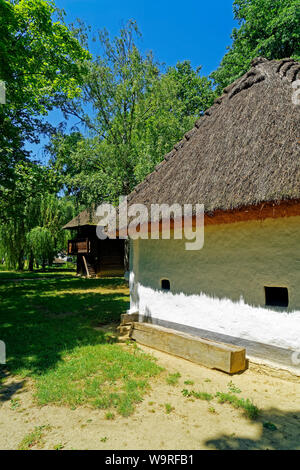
(95, 257)
(242, 161)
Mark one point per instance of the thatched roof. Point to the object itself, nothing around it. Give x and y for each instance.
(86, 217)
(244, 151)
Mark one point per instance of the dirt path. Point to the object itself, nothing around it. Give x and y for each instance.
(191, 425)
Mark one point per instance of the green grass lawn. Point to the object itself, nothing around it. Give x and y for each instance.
(48, 327)
(68, 270)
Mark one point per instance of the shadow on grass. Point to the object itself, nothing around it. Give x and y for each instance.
(42, 319)
(37, 273)
(7, 391)
(279, 431)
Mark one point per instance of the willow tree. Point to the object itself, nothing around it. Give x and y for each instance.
(32, 203)
(40, 244)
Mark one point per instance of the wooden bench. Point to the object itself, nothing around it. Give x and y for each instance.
(226, 357)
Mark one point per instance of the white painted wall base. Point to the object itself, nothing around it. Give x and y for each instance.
(221, 287)
(222, 316)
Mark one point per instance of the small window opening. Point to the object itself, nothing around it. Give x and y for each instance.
(165, 284)
(277, 296)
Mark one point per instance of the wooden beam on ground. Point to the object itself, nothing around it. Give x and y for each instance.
(127, 318)
(226, 357)
(86, 266)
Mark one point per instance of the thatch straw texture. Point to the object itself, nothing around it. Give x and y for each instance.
(244, 151)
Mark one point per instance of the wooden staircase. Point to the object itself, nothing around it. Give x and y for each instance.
(89, 266)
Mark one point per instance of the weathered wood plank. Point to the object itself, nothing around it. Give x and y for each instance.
(226, 357)
(86, 266)
(127, 318)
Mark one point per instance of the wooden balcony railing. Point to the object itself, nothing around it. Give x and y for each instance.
(79, 245)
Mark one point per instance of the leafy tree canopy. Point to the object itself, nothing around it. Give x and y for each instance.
(40, 244)
(33, 202)
(41, 65)
(134, 112)
(268, 28)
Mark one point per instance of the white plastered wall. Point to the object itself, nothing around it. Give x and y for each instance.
(221, 287)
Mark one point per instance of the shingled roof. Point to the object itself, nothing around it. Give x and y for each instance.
(244, 150)
(86, 217)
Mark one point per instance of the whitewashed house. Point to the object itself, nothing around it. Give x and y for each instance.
(242, 161)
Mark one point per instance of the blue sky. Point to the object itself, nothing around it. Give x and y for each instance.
(175, 30)
(194, 30)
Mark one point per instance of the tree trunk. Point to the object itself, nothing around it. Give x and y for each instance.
(30, 263)
(21, 261)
